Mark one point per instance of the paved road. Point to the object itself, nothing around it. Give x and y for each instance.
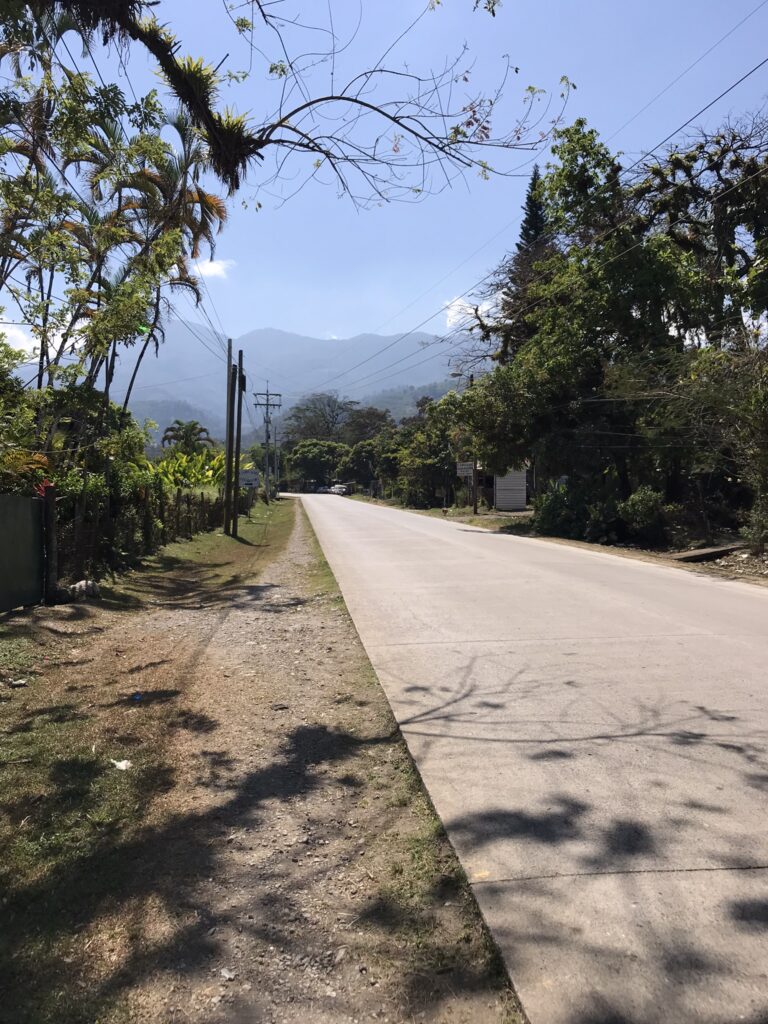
(593, 731)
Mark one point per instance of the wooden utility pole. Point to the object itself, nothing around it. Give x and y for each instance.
(228, 445)
(277, 462)
(238, 433)
(267, 401)
(474, 463)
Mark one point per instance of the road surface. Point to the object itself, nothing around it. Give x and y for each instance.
(593, 731)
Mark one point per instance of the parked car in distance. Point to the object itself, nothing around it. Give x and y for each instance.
(322, 490)
(340, 489)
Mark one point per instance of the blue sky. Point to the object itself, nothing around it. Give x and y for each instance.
(318, 266)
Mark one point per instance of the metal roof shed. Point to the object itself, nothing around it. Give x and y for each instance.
(509, 491)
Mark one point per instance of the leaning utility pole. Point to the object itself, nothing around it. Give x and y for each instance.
(267, 401)
(228, 445)
(238, 434)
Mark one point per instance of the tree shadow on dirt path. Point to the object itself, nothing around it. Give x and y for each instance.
(164, 863)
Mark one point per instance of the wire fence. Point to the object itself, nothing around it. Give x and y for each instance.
(106, 529)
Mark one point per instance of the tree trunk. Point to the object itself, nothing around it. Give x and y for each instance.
(150, 337)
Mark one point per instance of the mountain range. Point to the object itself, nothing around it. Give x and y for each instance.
(186, 380)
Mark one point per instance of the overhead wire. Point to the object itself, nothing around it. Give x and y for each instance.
(486, 277)
(690, 68)
(600, 237)
(605, 263)
(506, 227)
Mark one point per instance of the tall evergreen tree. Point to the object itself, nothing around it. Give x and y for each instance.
(534, 224)
(512, 329)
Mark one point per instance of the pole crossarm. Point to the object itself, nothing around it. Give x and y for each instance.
(268, 401)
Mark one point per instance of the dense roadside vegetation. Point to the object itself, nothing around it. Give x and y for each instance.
(619, 351)
(103, 209)
(108, 199)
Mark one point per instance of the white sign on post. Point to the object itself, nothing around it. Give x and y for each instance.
(249, 478)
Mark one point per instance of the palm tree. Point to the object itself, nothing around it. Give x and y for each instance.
(165, 195)
(161, 194)
(168, 193)
(187, 436)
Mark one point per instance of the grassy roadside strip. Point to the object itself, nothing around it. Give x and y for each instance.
(518, 523)
(422, 890)
(96, 696)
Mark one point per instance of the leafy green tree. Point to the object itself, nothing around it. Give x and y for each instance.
(316, 461)
(534, 224)
(500, 323)
(636, 277)
(256, 453)
(427, 456)
(364, 423)
(192, 469)
(361, 464)
(320, 417)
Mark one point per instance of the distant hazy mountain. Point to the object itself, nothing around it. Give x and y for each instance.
(164, 411)
(186, 379)
(401, 401)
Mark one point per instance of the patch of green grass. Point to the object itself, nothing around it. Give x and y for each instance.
(65, 813)
(520, 523)
(211, 564)
(18, 654)
(321, 581)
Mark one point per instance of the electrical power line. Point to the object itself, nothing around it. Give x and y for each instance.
(202, 341)
(531, 305)
(606, 234)
(690, 67)
(644, 156)
(167, 383)
(213, 304)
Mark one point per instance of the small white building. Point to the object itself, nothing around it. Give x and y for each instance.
(510, 492)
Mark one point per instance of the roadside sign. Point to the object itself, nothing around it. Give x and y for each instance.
(249, 478)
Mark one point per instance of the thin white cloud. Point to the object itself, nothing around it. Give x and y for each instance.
(214, 268)
(21, 338)
(459, 312)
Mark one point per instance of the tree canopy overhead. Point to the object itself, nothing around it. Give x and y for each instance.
(383, 131)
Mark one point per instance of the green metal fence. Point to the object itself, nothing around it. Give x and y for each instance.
(22, 560)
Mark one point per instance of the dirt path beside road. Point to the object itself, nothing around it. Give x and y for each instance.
(270, 854)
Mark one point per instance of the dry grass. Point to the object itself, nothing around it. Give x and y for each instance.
(69, 817)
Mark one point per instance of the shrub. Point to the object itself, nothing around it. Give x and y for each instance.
(565, 511)
(556, 513)
(462, 496)
(603, 525)
(647, 518)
